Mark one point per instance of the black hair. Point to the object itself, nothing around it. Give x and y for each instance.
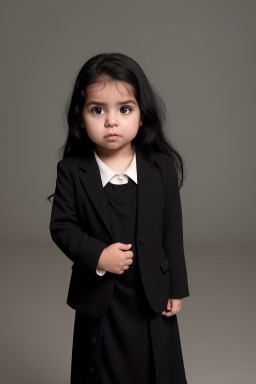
(150, 136)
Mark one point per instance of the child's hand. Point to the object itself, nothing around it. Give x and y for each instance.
(173, 307)
(116, 258)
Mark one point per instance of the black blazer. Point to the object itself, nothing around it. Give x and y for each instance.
(80, 227)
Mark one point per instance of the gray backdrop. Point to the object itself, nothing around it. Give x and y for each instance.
(200, 57)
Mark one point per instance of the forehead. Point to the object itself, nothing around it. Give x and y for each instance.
(115, 87)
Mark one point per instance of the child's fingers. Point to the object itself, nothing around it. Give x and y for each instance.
(176, 304)
(173, 306)
(167, 314)
(123, 246)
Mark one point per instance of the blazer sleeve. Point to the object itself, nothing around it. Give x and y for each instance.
(65, 228)
(173, 235)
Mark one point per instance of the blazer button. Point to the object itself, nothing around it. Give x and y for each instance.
(93, 340)
(90, 370)
(141, 241)
(161, 377)
(157, 342)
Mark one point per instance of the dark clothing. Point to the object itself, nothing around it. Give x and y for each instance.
(126, 351)
(81, 228)
(126, 321)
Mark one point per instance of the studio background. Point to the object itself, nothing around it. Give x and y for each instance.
(200, 58)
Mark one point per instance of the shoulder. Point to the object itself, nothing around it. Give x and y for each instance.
(67, 167)
(68, 162)
(166, 164)
(163, 160)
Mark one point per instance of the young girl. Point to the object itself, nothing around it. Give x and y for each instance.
(117, 215)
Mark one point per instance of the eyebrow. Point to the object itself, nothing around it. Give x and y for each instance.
(104, 104)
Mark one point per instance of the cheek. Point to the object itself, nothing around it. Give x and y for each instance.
(91, 125)
(92, 133)
(134, 127)
(91, 129)
(135, 131)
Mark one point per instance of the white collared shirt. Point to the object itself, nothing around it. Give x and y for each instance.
(108, 175)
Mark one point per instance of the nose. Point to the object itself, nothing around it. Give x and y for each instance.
(111, 120)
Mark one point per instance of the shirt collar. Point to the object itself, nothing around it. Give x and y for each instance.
(107, 173)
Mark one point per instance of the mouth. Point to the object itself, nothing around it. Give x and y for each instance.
(112, 135)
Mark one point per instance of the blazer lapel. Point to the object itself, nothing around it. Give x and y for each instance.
(92, 183)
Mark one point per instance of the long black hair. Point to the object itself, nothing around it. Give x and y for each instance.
(150, 136)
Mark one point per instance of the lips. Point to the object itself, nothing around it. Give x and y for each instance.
(112, 134)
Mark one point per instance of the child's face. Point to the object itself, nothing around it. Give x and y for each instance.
(111, 108)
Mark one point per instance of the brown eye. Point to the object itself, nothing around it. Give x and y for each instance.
(97, 109)
(126, 108)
